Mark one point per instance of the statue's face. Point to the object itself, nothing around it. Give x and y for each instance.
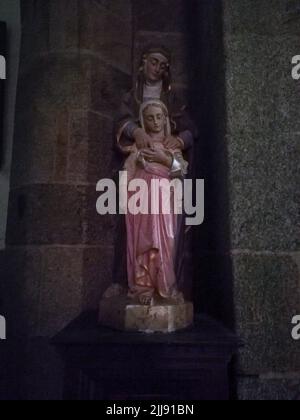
(155, 66)
(154, 119)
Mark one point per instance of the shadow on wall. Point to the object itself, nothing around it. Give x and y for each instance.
(213, 268)
(213, 271)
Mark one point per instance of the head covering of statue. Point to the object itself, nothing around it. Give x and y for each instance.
(163, 57)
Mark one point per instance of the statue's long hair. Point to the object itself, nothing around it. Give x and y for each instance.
(140, 80)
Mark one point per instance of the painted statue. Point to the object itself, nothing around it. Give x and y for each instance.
(155, 137)
(153, 82)
(151, 238)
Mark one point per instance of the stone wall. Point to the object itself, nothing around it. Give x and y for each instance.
(75, 65)
(162, 23)
(263, 105)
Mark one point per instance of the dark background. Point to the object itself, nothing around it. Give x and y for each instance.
(232, 61)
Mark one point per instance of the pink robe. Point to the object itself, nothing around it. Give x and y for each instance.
(151, 242)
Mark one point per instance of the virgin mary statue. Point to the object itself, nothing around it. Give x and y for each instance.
(151, 235)
(151, 302)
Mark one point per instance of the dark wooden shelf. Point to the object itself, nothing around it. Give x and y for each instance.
(105, 364)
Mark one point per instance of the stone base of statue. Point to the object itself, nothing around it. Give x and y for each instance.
(122, 313)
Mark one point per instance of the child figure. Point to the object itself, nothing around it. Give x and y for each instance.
(151, 238)
(155, 121)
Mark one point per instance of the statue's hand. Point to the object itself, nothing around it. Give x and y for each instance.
(158, 156)
(142, 140)
(173, 143)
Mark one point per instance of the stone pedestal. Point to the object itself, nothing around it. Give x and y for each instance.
(121, 313)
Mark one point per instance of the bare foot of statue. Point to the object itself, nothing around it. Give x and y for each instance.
(146, 299)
